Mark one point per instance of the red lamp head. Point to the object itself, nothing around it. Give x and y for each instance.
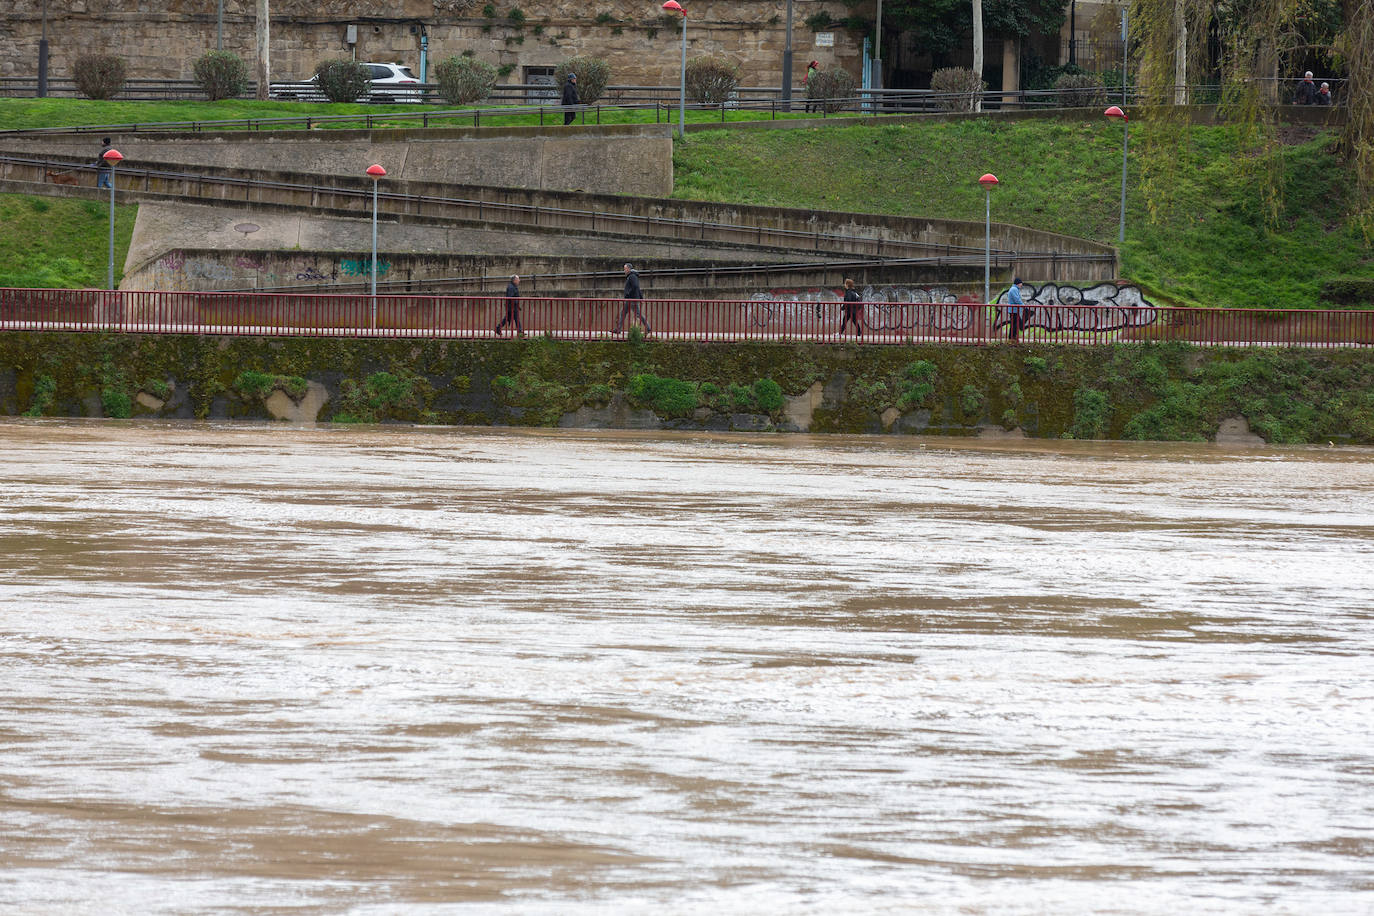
(988, 181)
(673, 6)
(113, 156)
(376, 171)
(1116, 112)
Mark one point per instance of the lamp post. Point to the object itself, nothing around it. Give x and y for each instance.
(787, 61)
(988, 181)
(113, 157)
(43, 56)
(376, 173)
(673, 6)
(1115, 112)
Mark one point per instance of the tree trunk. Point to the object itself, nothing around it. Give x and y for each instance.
(978, 51)
(264, 66)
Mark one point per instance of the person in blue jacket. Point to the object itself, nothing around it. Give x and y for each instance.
(1017, 313)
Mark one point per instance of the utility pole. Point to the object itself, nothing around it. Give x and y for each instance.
(43, 56)
(787, 60)
(876, 79)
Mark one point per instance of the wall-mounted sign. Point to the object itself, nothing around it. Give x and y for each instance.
(825, 39)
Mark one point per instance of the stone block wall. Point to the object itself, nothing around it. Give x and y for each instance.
(162, 40)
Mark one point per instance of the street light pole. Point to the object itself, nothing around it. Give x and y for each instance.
(673, 6)
(219, 27)
(43, 56)
(787, 61)
(988, 181)
(1116, 113)
(113, 157)
(376, 173)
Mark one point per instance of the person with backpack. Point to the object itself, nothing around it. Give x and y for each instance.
(852, 309)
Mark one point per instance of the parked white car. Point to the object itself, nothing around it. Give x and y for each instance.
(390, 83)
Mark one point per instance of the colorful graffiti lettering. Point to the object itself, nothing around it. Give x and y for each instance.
(363, 267)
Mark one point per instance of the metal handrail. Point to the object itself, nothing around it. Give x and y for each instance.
(474, 317)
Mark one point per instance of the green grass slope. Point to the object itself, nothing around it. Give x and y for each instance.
(1210, 247)
(60, 243)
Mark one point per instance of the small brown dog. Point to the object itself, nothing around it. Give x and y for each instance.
(61, 177)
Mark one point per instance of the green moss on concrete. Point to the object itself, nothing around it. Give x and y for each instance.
(1141, 391)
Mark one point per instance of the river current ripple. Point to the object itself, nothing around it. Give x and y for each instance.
(267, 669)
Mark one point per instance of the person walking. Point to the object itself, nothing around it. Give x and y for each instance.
(102, 165)
(1306, 93)
(852, 309)
(1016, 311)
(570, 99)
(811, 70)
(1324, 94)
(512, 306)
(633, 296)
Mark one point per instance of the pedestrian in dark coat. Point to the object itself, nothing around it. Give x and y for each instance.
(1324, 94)
(1307, 91)
(633, 296)
(102, 165)
(852, 310)
(512, 306)
(570, 98)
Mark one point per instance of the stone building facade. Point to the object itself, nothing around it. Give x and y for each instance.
(525, 38)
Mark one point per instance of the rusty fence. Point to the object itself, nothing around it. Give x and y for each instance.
(477, 317)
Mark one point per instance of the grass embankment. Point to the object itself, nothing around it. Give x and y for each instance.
(1210, 248)
(48, 242)
(26, 114)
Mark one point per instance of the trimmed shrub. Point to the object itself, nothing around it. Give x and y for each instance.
(711, 80)
(465, 80)
(958, 87)
(833, 88)
(99, 76)
(221, 75)
(593, 75)
(1081, 90)
(342, 80)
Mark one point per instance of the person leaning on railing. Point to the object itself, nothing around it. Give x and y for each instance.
(1306, 93)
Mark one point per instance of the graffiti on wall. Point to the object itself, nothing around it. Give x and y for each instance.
(178, 271)
(889, 308)
(362, 267)
(1058, 307)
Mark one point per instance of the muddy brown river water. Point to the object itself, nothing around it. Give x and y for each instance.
(278, 670)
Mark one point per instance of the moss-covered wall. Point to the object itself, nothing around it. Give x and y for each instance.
(1136, 391)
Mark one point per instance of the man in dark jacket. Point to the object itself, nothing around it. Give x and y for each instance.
(570, 98)
(1306, 93)
(512, 306)
(633, 296)
(102, 164)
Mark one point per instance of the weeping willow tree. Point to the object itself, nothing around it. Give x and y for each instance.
(1248, 44)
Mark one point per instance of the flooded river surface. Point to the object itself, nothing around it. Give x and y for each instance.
(268, 670)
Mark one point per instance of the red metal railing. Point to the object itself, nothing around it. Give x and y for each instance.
(476, 317)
